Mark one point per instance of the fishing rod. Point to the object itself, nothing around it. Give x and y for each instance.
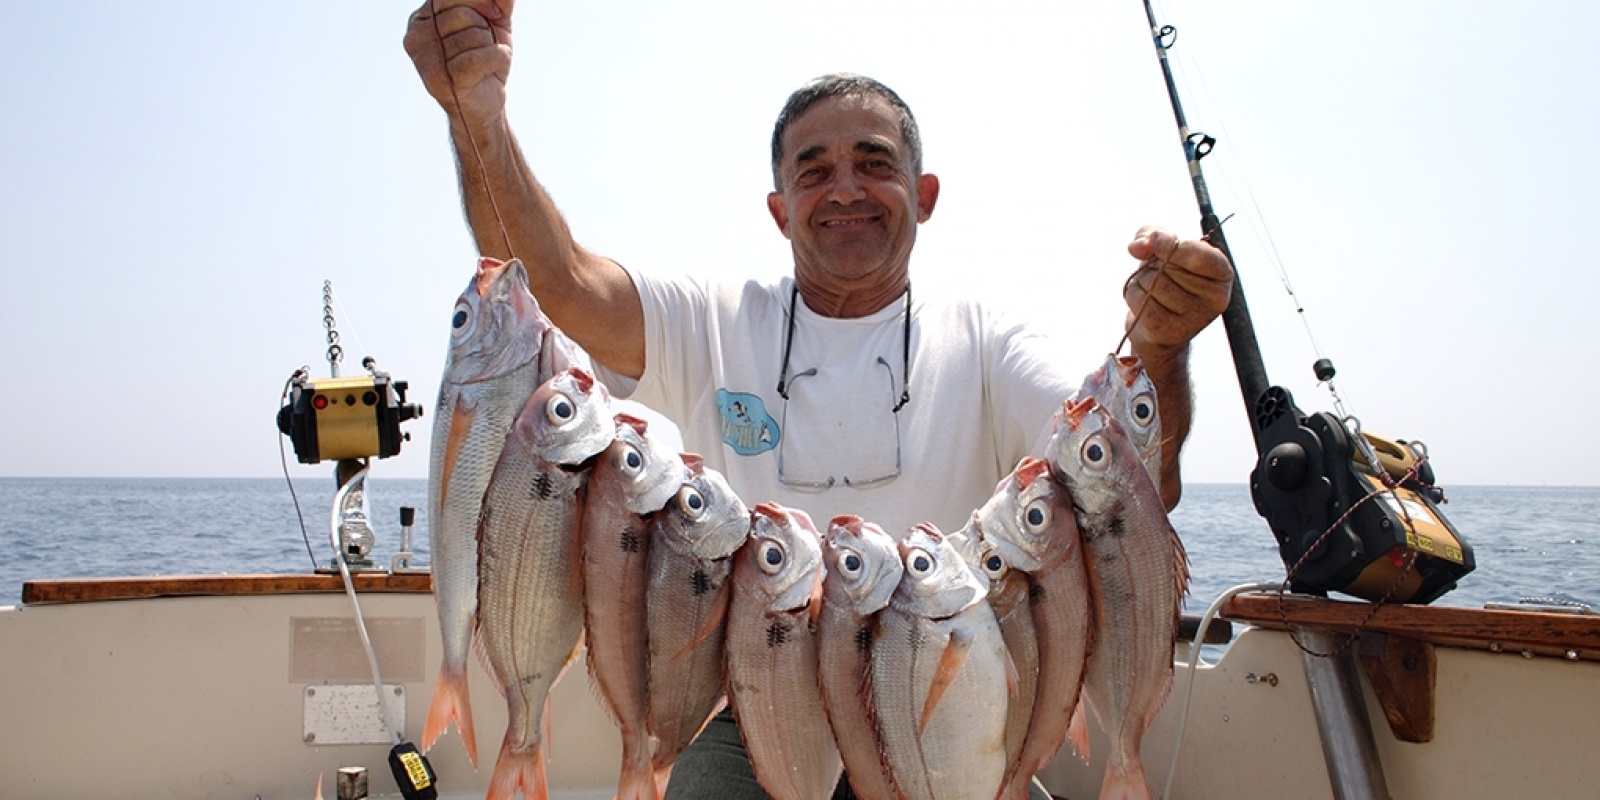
(1236, 317)
(1352, 512)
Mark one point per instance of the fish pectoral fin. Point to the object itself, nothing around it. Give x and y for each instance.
(1180, 558)
(950, 662)
(1078, 730)
(461, 416)
(1013, 678)
(713, 622)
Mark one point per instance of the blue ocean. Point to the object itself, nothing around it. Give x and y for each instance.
(1529, 541)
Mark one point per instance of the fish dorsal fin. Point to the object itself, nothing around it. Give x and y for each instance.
(1180, 559)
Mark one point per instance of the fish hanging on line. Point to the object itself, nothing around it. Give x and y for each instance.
(1138, 573)
(501, 348)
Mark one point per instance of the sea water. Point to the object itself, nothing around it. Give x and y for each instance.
(1529, 541)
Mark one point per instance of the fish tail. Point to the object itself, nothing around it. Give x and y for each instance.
(518, 770)
(637, 778)
(1125, 780)
(451, 703)
(662, 776)
(1016, 787)
(638, 781)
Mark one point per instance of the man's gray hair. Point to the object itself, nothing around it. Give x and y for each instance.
(843, 84)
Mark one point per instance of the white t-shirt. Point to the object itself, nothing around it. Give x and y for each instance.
(982, 393)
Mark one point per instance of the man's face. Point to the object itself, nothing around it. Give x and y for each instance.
(849, 203)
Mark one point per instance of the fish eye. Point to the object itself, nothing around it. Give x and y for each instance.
(1144, 409)
(560, 409)
(1095, 452)
(919, 564)
(629, 461)
(993, 565)
(770, 556)
(461, 321)
(850, 563)
(692, 502)
(1037, 514)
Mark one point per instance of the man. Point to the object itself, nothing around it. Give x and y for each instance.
(835, 391)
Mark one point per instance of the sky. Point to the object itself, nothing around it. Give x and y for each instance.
(178, 180)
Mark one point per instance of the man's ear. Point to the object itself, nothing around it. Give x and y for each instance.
(927, 195)
(779, 209)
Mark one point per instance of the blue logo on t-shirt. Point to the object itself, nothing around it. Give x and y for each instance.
(746, 425)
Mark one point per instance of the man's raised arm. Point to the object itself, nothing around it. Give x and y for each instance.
(462, 51)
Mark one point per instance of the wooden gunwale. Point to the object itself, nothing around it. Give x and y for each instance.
(89, 590)
(1573, 637)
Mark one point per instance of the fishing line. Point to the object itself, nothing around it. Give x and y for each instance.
(472, 141)
(1194, 664)
(1150, 293)
(1390, 484)
(1242, 188)
(283, 455)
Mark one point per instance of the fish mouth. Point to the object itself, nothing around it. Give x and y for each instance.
(772, 511)
(1074, 413)
(489, 271)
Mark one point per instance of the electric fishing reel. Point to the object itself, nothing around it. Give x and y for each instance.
(334, 419)
(1325, 489)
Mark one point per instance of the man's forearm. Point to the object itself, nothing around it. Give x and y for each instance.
(511, 215)
(1168, 368)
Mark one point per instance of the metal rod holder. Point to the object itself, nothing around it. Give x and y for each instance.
(1348, 746)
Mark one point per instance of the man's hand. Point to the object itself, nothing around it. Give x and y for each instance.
(462, 50)
(1178, 289)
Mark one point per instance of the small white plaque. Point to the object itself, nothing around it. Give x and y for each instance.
(340, 714)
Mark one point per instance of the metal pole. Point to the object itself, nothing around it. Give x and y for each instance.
(1347, 742)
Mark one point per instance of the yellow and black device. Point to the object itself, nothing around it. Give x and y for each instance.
(335, 419)
(1339, 525)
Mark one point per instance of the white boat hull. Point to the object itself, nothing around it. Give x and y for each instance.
(205, 697)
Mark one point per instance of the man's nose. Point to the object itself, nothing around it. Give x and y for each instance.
(845, 187)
